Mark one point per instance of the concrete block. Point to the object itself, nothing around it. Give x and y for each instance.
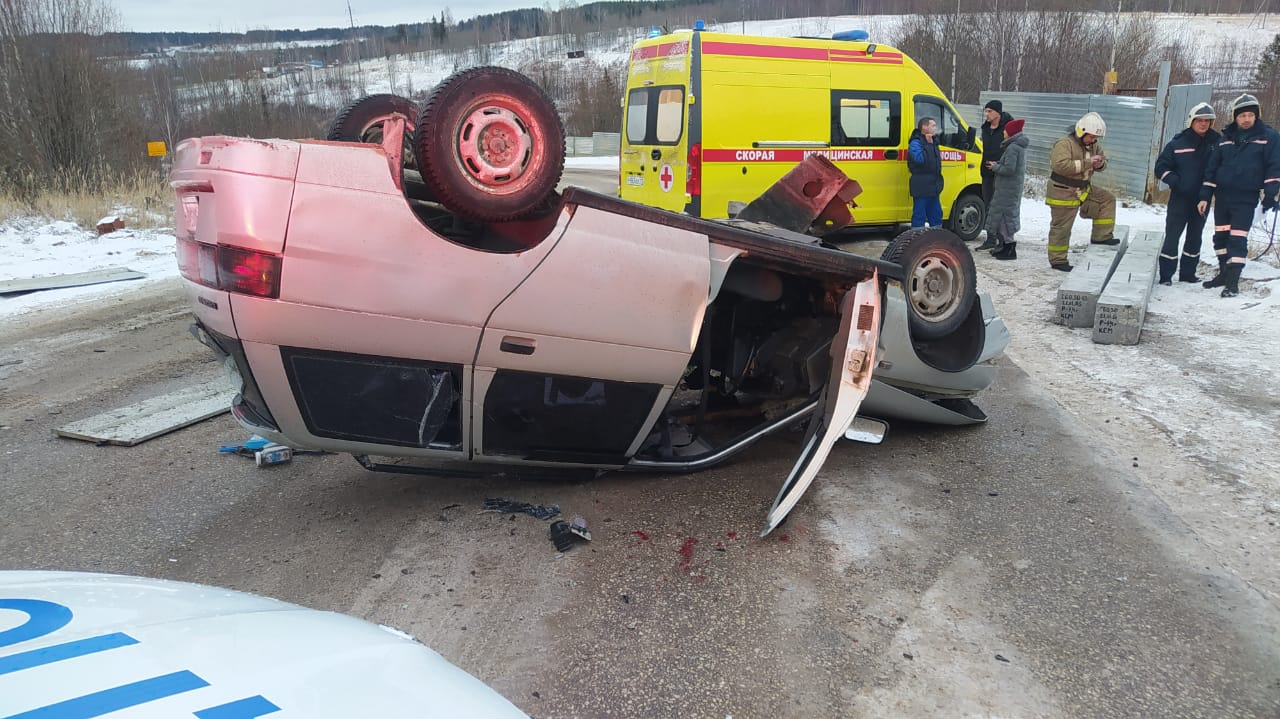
(1123, 305)
(1078, 294)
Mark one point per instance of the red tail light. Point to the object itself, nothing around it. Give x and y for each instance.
(693, 171)
(231, 269)
(248, 272)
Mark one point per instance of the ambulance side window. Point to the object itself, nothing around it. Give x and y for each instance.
(872, 119)
(655, 115)
(951, 133)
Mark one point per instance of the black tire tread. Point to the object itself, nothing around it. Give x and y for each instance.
(912, 241)
(982, 220)
(344, 129)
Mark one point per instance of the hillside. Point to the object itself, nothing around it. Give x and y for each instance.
(414, 73)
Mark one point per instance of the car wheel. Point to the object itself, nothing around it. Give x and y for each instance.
(491, 145)
(362, 121)
(968, 215)
(940, 281)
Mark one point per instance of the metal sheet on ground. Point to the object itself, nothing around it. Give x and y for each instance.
(74, 279)
(151, 418)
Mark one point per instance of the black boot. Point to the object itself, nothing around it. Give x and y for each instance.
(989, 244)
(1230, 286)
(1220, 280)
(1167, 267)
(1007, 251)
(1187, 269)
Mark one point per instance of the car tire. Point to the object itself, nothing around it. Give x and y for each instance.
(940, 282)
(491, 145)
(968, 216)
(362, 121)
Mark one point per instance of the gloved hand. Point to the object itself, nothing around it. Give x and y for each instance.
(1171, 179)
(1268, 203)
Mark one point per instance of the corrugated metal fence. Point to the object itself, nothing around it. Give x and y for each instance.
(600, 144)
(1132, 125)
(1130, 122)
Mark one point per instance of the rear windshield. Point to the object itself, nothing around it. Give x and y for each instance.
(655, 115)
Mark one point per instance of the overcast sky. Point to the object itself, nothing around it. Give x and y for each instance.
(242, 15)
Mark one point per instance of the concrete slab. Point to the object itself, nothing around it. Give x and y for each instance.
(1123, 305)
(151, 418)
(74, 279)
(1078, 294)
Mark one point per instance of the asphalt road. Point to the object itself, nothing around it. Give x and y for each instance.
(1015, 569)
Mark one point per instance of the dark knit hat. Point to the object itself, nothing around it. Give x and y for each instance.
(994, 105)
(1013, 127)
(1245, 103)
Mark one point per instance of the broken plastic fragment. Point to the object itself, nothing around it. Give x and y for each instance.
(510, 505)
(565, 534)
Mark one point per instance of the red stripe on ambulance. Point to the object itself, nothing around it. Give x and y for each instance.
(742, 49)
(666, 49)
(849, 154)
(790, 156)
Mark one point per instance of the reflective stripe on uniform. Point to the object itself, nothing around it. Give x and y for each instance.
(1105, 221)
(1209, 184)
(1239, 233)
(1062, 203)
(1222, 251)
(1168, 257)
(1059, 248)
(1236, 261)
(1189, 254)
(1221, 228)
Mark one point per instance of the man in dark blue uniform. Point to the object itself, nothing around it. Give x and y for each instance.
(1181, 166)
(1245, 163)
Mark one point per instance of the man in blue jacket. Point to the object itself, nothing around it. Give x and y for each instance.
(1181, 166)
(925, 164)
(1245, 163)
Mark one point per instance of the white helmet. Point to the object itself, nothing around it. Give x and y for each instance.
(1203, 111)
(1091, 124)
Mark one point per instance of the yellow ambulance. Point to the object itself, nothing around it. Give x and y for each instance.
(711, 117)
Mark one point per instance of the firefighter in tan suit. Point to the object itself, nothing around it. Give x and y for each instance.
(1072, 162)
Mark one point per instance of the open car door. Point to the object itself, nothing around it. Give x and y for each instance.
(852, 359)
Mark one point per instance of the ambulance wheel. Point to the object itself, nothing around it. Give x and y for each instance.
(491, 145)
(939, 280)
(362, 121)
(968, 215)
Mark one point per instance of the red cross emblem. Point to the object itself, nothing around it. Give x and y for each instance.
(665, 177)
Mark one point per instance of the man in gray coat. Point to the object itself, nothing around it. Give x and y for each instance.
(1004, 214)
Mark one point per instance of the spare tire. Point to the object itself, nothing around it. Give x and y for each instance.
(490, 144)
(362, 121)
(940, 281)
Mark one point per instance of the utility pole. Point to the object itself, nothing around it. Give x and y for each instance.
(1112, 81)
(955, 46)
(355, 45)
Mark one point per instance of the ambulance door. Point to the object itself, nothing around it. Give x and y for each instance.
(652, 167)
(959, 156)
(868, 143)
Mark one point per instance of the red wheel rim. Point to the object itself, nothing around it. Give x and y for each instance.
(497, 146)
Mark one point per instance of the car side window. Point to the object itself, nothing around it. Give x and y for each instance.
(868, 119)
(951, 132)
(655, 115)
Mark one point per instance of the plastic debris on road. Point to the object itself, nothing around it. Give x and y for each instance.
(510, 506)
(565, 534)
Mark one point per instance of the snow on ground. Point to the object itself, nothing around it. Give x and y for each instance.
(37, 247)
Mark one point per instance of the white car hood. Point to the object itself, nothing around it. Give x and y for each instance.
(82, 645)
